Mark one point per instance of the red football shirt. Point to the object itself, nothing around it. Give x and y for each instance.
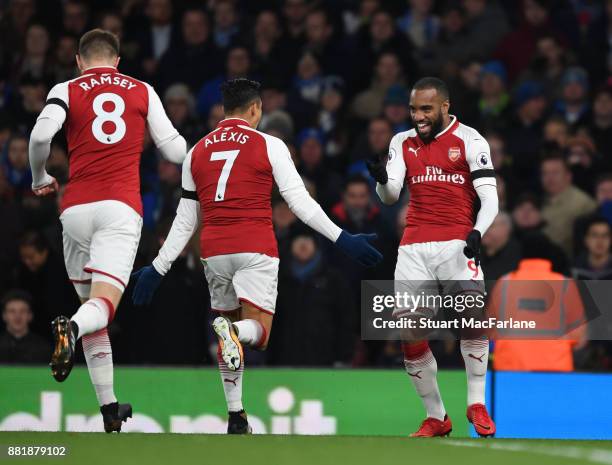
(105, 117)
(440, 182)
(233, 176)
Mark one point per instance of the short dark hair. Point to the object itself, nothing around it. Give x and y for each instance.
(239, 94)
(34, 239)
(99, 42)
(356, 178)
(593, 220)
(555, 155)
(16, 294)
(433, 83)
(605, 177)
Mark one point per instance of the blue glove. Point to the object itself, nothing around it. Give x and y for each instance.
(147, 280)
(358, 248)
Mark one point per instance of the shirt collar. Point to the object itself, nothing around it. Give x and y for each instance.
(450, 128)
(233, 121)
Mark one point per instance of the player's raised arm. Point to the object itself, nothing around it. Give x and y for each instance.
(165, 136)
(184, 225)
(300, 202)
(478, 156)
(49, 122)
(389, 172)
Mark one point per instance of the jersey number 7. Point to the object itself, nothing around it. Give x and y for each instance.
(230, 157)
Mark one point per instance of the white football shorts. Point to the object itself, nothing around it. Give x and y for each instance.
(238, 277)
(423, 266)
(100, 243)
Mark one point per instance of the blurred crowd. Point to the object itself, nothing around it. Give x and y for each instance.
(532, 76)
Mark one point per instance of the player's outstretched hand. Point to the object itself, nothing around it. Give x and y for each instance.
(357, 246)
(47, 189)
(472, 246)
(377, 166)
(147, 280)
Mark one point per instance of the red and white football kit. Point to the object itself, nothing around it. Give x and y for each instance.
(231, 173)
(443, 178)
(105, 114)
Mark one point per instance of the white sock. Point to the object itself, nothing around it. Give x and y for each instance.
(232, 384)
(475, 355)
(99, 357)
(423, 372)
(92, 316)
(250, 332)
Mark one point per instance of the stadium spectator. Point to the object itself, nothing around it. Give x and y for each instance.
(196, 59)
(35, 60)
(312, 307)
(563, 203)
(485, 26)
(271, 59)
(313, 166)
(237, 64)
(75, 17)
(64, 66)
(180, 106)
(320, 39)
(573, 105)
(528, 226)
(395, 108)
(331, 117)
(369, 103)
(14, 23)
(18, 344)
(307, 85)
(419, 23)
(156, 36)
(603, 197)
(518, 47)
(584, 162)
(600, 125)
(556, 131)
(502, 251)
(494, 101)
(42, 274)
(595, 262)
(524, 134)
(548, 65)
(373, 144)
(226, 23)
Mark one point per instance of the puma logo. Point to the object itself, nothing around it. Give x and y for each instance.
(100, 354)
(233, 381)
(416, 375)
(476, 358)
(410, 149)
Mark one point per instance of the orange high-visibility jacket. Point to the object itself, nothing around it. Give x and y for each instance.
(534, 292)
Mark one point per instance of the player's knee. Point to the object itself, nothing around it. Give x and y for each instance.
(414, 350)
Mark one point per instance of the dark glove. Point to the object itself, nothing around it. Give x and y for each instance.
(358, 248)
(472, 246)
(377, 167)
(147, 281)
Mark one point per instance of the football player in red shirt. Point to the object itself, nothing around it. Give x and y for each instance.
(104, 113)
(445, 165)
(228, 178)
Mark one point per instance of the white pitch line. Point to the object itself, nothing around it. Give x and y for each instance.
(602, 456)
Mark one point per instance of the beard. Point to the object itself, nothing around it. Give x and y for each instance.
(436, 127)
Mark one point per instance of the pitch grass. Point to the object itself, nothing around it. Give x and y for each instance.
(175, 449)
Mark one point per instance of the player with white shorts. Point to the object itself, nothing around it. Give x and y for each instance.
(445, 166)
(228, 178)
(105, 114)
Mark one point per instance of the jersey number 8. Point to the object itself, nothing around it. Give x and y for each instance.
(103, 116)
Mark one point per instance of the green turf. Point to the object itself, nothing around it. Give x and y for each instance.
(175, 449)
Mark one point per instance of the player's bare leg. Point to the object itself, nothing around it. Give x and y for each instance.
(475, 354)
(249, 326)
(422, 369)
